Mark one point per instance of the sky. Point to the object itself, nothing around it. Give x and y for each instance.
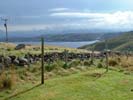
(29, 15)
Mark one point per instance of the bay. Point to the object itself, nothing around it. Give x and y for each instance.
(62, 44)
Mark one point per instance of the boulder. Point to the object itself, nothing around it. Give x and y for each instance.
(16, 62)
(23, 61)
(12, 58)
(20, 46)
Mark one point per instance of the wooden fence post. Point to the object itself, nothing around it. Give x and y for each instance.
(107, 62)
(92, 55)
(42, 67)
(66, 56)
(107, 59)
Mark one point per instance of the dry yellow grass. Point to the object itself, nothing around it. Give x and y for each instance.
(7, 78)
(123, 61)
(127, 63)
(8, 49)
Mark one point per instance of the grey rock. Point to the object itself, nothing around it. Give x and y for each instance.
(16, 62)
(7, 61)
(20, 46)
(23, 61)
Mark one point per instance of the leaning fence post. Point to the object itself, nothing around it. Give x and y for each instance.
(42, 66)
(107, 62)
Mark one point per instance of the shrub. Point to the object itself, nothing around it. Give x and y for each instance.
(112, 62)
(8, 49)
(59, 63)
(66, 66)
(49, 67)
(101, 60)
(91, 62)
(6, 81)
(74, 63)
(99, 65)
(87, 63)
(34, 69)
(55, 65)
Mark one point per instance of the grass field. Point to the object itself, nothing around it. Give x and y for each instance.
(80, 81)
(92, 84)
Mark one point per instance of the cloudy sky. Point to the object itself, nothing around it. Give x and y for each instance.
(27, 15)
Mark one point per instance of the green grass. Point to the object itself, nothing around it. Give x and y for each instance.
(82, 81)
(85, 85)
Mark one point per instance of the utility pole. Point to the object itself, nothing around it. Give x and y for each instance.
(5, 25)
(92, 55)
(42, 67)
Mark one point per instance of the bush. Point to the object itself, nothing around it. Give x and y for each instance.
(91, 62)
(99, 65)
(101, 60)
(66, 66)
(49, 67)
(6, 81)
(59, 63)
(74, 63)
(8, 49)
(87, 63)
(33, 68)
(112, 62)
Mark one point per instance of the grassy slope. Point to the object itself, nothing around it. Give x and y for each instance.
(8, 49)
(117, 43)
(82, 86)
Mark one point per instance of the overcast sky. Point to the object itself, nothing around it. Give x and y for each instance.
(26, 15)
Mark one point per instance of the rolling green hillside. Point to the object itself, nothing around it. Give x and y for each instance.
(123, 42)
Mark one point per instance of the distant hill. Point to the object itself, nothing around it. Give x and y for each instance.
(60, 37)
(73, 37)
(121, 42)
(65, 36)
